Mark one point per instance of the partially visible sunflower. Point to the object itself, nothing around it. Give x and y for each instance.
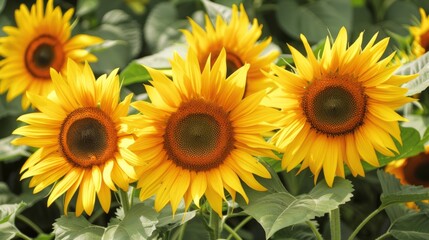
(420, 35)
(239, 38)
(81, 139)
(199, 135)
(40, 40)
(411, 171)
(338, 108)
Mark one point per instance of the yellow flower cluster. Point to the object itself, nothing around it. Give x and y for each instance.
(225, 104)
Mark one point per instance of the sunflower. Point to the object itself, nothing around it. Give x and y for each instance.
(239, 39)
(338, 108)
(420, 35)
(40, 40)
(411, 171)
(81, 139)
(200, 135)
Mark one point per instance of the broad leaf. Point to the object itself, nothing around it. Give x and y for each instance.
(86, 6)
(419, 66)
(138, 223)
(8, 212)
(325, 16)
(215, 9)
(411, 227)
(392, 193)
(6, 196)
(11, 152)
(72, 227)
(162, 58)
(134, 73)
(279, 210)
(162, 25)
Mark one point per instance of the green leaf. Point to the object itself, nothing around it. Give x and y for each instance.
(2, 4)
(297, 232)
(314, 19)
(6, 196)
(138, 223)
(411, 227)
(419, 66)
(134, 73)
(8, 212)
(86, 6)
(11, 152)
(216, 9)
(72, 227)
(394, 193)
(44, 236)
(279, 210)
(161, 27)
(162, 58)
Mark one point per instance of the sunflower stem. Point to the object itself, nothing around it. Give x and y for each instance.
(239, 226)
(123, 198)
(232, 232)
(314, 230)
(30, 223)
(365, 221)
(23, 236)
(214, 224)
(335, 223)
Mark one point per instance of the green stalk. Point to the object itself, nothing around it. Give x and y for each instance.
(314, 230)
(335, 223)
(239, 226)
(125, 202)
(30, 223)
(232, 232)
(214, 225)
(365, 221)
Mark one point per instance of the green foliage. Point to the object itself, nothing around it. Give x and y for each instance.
(325, 16)
(8, 213)
(279, 210)
(72, 227)
(138, 223)
(134, 73)
(419, 66)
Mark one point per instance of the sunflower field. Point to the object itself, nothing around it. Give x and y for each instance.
(221, 119)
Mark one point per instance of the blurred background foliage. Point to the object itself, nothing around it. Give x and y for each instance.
(147, 31)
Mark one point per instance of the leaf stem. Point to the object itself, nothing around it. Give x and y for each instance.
(182, 231)
(365, 221)
(23, 236)
(335, 223)
(314, 230)
(232, 233)
(214, 224)
(385, 235)
(30, 223)
(238, 227)
(123, 198)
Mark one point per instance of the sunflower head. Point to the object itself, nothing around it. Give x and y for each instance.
(199, 134)
(411, 171)
(41, 40)
(338, 108)
(420, 35)
(81, 140)
(239, 38)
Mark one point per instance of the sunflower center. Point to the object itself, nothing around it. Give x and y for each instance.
(334, 105)
(416, 170)
(424, 41)
(198, 136)
(43, 53)
(88, 137)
